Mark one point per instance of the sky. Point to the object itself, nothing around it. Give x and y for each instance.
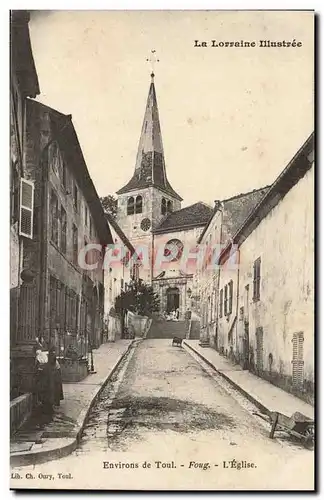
(231, 118)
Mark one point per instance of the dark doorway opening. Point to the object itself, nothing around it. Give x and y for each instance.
(173, 295)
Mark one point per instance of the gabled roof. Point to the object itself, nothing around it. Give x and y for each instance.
(21, 55)
(289, 177)
(150, 163)
(112, 221)
(67, 139)
(195, 215)
(236, 209)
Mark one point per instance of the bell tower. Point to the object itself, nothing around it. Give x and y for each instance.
(148, 197)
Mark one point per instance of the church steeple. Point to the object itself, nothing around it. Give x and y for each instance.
(150, 163)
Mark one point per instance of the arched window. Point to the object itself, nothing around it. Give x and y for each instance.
(163, 206)
(169, 206)
(139, 205)
(130, 206)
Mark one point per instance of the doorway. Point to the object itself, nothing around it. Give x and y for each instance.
(173, 299)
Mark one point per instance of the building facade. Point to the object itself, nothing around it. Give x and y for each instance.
(227, 217)
(119, 270)
(262, 313)
(62, 299)
(23, 84)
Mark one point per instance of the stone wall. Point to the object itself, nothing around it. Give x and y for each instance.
(20, 409)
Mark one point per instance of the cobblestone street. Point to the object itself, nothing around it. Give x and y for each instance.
(165, 406)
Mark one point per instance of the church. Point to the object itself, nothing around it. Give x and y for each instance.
(150, 215)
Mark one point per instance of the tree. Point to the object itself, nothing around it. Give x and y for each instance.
(109, 204)
(139, 298)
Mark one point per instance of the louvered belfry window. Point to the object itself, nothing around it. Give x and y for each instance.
(163, 206)
(26, 208)
(130, 206)
(298, 360)
(139, 205)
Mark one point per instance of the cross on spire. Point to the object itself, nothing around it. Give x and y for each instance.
(153, 60)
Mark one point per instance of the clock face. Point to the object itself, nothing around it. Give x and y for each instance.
(145, 224)
(173, 248)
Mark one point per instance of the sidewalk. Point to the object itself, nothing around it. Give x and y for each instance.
(36, 443)
(265, 396)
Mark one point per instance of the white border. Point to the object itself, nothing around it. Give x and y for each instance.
(4, 184)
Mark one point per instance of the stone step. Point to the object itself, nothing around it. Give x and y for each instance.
(167, 329)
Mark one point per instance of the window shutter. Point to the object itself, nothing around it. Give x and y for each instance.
(259, 349)
(230, 307)
(221, 304)
(225, 300)
(26, 208)
(298, 360)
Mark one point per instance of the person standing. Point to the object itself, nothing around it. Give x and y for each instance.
(55, 378)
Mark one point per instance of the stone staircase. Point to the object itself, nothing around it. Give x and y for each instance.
(162, 329)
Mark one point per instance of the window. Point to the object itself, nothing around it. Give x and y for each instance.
(256, 279)
(139, 205)
(85, 215)
(130, 206)
(26, 208)
(163, 206)
(230, 298)
(90, 227)
(212, 307)
(14, 192)
(75, 243)
(173, 249)
(225, 299)
(53, 302)
(75, 197)
(71, 307)
(135, 272)
(169, 206)
(63, 230)
(57, 305)
(88, 254)
(221, 293)
(54, 219)
(64, 175)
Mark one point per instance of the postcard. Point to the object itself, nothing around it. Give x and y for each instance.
(162, 250)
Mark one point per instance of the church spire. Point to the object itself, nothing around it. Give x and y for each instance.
(150, 164)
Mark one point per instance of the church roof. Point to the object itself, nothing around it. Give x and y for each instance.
(150, 163)
(195, 215)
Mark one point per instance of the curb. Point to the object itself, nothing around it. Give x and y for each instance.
(41, 456)
(248, 396)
